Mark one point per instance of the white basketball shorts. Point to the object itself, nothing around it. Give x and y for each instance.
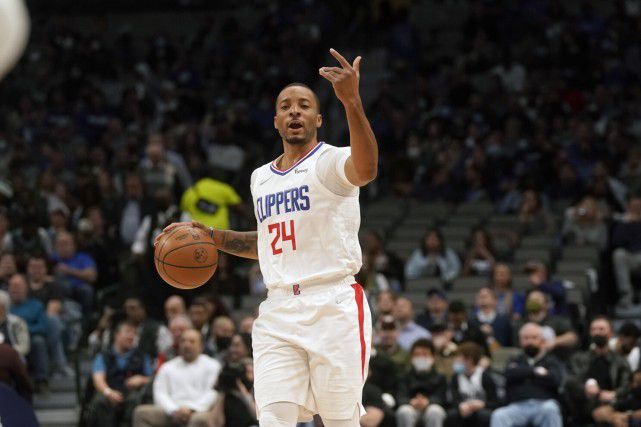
(311, 347)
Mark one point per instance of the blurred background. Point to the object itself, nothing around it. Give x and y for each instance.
(509, 183)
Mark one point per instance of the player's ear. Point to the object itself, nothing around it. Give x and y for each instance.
(319, 120)
(275, 123)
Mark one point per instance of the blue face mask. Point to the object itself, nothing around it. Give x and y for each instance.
(458, 367)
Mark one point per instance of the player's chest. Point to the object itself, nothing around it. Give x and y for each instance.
(276, 195)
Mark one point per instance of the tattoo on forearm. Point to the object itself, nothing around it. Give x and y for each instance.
(239, 243)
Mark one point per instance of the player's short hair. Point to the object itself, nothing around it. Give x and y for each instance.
(306, 87)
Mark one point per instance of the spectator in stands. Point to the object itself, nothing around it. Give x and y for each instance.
(199, 317)
(51, 295)
(29, 238)
(607, 188)
(382, 269)
(626, 344)
(177, 326)
(183, 388)
(119, 376)
(444, 348)
(13, 371)
(560, 339)
(13, 328)
(386, 341)
(510, 302)
(533, 379)
(385, 301)
(58, 222)
(625, 410)
(584, 225)
(409, 330)
(423, 394)
(433, 259)
(496, 326)
(227, 282)
(240, 348)
(174, 306)
(626, 258)
(596, 375)
(153, 336)
(378, 413)
(235, 405)
(223, 330)
(435, 309)
(34, 315)
(100, 338)
(480, 255)
(215, 306)
(209, 201)
(462, 329)
(473, 390)
(153, 223)
(538, 277)
(76, 269)
(533, 217)
(246, 325)
(630, 172)
(8, 268)
(157, 172)
(129, 211)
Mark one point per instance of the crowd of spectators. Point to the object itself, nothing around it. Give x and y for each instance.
(106, 136)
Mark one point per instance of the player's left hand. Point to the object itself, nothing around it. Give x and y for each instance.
(345, 78)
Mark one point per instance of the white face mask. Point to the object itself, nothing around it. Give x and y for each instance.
(422, 364)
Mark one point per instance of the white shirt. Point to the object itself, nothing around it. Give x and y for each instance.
(308, 218)
(179, 383)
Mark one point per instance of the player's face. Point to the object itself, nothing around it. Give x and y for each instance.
(297, 118)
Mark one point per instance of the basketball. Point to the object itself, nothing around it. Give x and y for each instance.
(186, 257)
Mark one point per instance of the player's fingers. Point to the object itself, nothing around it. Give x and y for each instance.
(336, 70)
(357, 64)
(340, 59)
(328, 75)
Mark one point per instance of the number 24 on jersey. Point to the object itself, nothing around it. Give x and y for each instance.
(281, 235)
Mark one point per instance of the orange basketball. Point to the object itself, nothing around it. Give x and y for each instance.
(186, 257)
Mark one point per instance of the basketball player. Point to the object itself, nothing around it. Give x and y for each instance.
(14, 28)
(311, 338)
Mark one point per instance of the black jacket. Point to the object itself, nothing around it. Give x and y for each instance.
(431, 384)
(522, 382)
(619, 370)
(489, 386)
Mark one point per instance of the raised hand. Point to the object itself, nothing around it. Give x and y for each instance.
(345, 78)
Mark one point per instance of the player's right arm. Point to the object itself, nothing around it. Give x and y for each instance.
(240, 243)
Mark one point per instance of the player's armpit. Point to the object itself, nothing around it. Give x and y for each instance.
(243, 244)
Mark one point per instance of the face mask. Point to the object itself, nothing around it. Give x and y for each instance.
(531, 351)
(222, 343)
(600, 340)
(422, 364)
(458, 367)
(533, 306)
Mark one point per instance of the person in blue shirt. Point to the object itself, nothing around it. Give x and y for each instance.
(33, 313)
(119, 374)
(76, 269)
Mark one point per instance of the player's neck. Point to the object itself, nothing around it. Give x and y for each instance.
(292, 153)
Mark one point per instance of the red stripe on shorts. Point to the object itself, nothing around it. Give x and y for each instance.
(358, 294)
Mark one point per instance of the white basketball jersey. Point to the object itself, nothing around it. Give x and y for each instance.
(306, 233)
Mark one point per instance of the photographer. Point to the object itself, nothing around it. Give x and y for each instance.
(235, 405)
